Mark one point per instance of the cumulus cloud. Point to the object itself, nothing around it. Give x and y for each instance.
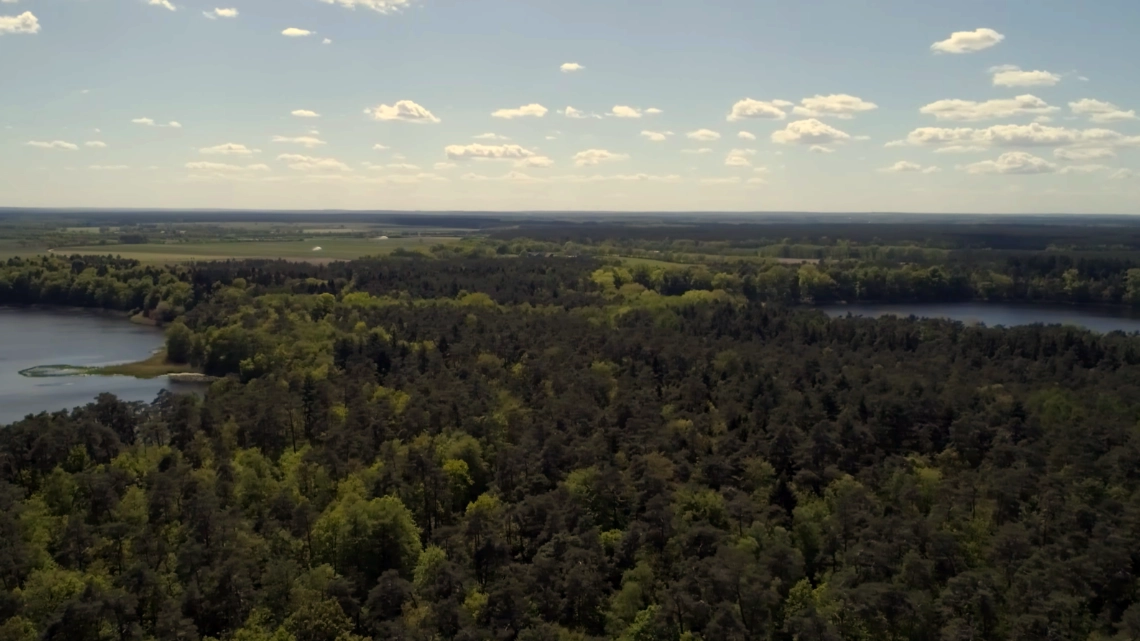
(25, 23)
(540, 162)
(308, 142)
(739, 158)
(53, 144)
(968, 41)
(490, 136)
(746, 135)
(310, 163)
(305, 113)
(221, 13)
(1088, 153)
(404, 110)
(568, 67)
(379, 147)
(703, 135)
(656, 136)
(1031, 135)
(596, 156)
(808, 132)
(970, 110)
(479, 151)
(905, 166)
(1013, 162)
(700, 152)
(624, 111)
(748, 108)
(837, 105)
(1014, 76)
(217, 167)
(653, 111)
(379, 6)
(165, 4)
(534, 110)
(326, 41)
(1099, 111)
(294, 32)
(229, 149)
(820, 149)
(95, 144)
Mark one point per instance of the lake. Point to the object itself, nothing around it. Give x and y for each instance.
(41, 336)
(1097, 319)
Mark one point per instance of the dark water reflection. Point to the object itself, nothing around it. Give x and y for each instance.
(1097, 319)
(31, 337)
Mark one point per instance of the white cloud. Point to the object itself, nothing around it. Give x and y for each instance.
(149, 122)
(820, 149)
(534, 109)
(218, 167)
(896, 143)
(540, 162)
(305, 113)
(379, 147)
(326, 41)
(739, 158)
(653, 111)
(1014, 76)
(490, 136)
(568, 67)
(404, 110)
(26, 23)
(808, 132)
(165, 4)
(624, 111)
(479, 151)
(596, 156)
(703, 135)
(746, 135)
(54, 144)
(1121, 174)
(221, 13)
(310, 163)
(96, 144)
(441, 166)
(968, 41)
(656, 136)
(758, 109)
(380, 6)
(1031, 135)
(701, 151)
(1013, 162)
(959, 149)
(642, 177)
(1098, 111)
(1087, 153)
(571, 112)
(229, 149)
(294, 32)
(837, 105)
(512, 176)
(108, 167)
(308, 142)
(905, 166)
(969, 110)
(412, 179)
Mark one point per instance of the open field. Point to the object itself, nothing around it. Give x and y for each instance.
(331, 249)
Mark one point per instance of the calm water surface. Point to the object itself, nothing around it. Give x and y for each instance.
(1097, 319)
(30, 337)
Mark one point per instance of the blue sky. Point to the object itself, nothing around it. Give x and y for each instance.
(884, 105)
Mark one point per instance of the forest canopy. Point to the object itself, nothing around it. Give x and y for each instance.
(570, 448)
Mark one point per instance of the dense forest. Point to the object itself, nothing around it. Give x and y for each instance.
(566, 449)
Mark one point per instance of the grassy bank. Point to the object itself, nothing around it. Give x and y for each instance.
(153, 367)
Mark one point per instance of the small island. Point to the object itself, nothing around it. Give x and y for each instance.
(154, 366)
